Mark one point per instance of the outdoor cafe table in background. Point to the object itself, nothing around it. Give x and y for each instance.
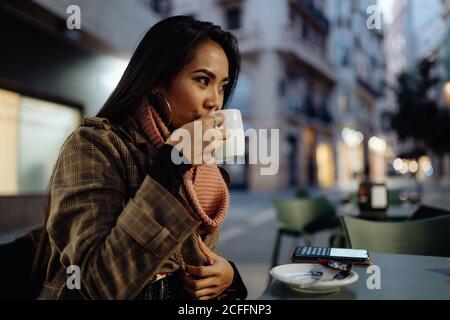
(394, 212)
(403, 277)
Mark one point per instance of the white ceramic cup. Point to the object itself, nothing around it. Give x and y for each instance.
(234, 146)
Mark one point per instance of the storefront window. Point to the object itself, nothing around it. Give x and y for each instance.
(32, 132)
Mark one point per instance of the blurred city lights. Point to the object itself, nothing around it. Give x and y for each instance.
(447, 94)
(352, 137)
(413, 166)
(109, 80)
(377, 144)
(425, 165)
(398, 164)
(404, 169)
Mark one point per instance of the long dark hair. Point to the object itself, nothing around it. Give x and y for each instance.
(163, 52)
(165, 49)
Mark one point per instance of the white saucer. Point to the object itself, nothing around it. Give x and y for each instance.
(296, 276)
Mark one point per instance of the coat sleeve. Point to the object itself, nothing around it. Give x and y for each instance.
(118, 244)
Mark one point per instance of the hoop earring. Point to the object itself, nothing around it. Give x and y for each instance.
(166, 102)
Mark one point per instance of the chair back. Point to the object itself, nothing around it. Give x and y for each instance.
(16, 258)
(323, 207)
(295, 214)
(429, 237)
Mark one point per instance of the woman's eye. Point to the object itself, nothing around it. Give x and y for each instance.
(203, 80)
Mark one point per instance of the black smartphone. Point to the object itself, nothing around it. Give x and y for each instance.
(303, 254)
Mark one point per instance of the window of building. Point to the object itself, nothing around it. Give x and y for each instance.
(161, 7)
(233, 18)
(346, 62)
(291, 17)
(25, 122)
(305, 32)
(295, 93)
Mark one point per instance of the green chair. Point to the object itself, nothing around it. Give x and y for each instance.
(302, 193)
(16, 259)
(325, 219)
(429, 237)
(293, 216)
(323, 206)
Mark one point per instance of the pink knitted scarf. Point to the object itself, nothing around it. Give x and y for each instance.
(204, 185)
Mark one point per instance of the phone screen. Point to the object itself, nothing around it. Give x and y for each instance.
(348, 253)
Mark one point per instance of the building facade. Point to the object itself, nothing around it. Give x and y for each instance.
(110, 30)
(357, 50)
(287, 83)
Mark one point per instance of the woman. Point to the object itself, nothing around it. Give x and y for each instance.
(136, 224)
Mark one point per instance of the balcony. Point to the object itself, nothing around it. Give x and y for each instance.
(293, 109)
(292, 42)
(310, 112)
(372, 88)
(313, 13)
(324, 115)
(250, 39)
(310, 109)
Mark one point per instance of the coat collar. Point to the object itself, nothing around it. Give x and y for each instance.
(131, 128)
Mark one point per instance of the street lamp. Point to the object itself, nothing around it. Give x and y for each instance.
(377, 144)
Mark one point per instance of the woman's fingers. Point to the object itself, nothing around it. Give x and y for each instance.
(204, 293)
(210, 254)
(225, 133)
(201, 148)
(208, 281)
(214, 120)
(201, 271)
(198, 284)
(208, 297)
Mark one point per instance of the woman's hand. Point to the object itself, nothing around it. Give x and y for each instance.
(207, 282)
(194, 148)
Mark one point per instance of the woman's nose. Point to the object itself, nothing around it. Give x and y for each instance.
(213, 102)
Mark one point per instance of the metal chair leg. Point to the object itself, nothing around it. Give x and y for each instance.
(276, 249)
(331, 241)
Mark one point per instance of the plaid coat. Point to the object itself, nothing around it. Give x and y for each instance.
(111, 219)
